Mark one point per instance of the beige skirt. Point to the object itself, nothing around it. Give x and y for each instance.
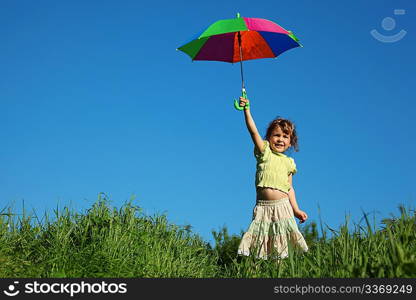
(272, 231)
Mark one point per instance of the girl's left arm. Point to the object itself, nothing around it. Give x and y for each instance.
(301, 215)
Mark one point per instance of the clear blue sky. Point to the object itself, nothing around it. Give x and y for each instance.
(95, 98)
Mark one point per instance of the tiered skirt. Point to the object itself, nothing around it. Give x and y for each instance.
(272, 231)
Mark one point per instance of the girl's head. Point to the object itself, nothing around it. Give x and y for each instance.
(281, 135)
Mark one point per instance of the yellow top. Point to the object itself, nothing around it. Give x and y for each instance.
(273, 169)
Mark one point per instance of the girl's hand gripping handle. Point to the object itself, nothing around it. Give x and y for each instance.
(236, 102)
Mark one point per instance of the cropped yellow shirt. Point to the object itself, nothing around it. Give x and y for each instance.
(273, 169)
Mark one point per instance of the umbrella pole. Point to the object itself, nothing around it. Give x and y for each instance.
(241, 60)
(243, 89)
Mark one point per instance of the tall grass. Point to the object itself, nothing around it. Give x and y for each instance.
(103, 242)
(109, 242)
(364, 252)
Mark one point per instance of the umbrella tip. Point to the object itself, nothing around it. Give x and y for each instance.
(238, 15)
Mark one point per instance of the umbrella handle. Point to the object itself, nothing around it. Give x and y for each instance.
(237, 104)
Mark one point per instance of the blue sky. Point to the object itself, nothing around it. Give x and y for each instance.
(95, 98)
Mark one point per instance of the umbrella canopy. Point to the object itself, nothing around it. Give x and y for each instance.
(257, 38)
(239, 39)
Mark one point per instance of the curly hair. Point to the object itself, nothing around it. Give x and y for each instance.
(288, 127)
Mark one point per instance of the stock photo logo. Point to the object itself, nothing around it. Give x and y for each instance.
(11, 290)
(66, 288)
(389, 24)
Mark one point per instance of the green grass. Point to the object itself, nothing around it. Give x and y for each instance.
(109, 242)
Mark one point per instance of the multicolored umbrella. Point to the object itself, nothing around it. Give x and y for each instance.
(239, 39)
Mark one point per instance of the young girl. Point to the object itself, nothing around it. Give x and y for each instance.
(273, 226)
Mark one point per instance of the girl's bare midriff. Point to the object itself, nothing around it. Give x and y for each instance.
(265, 193)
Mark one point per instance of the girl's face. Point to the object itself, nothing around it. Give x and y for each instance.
(279, 141)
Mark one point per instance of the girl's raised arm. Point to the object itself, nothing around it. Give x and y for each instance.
(251, 126)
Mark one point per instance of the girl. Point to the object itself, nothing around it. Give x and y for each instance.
(273, 226)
